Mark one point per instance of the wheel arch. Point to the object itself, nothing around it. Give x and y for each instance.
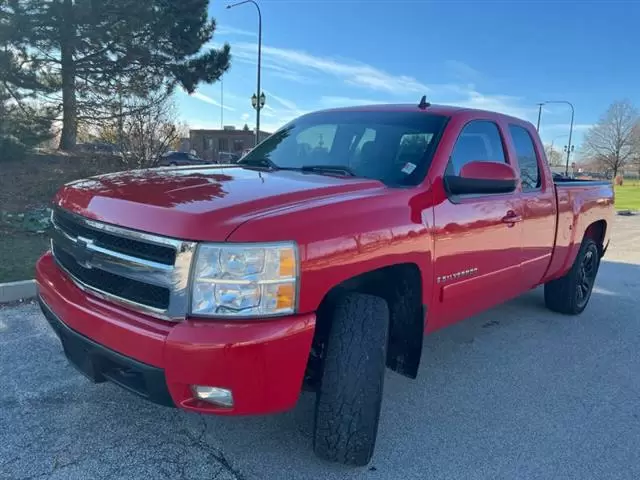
(400, 285)
(597, 231)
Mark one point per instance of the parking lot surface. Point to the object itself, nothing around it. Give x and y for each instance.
(517, 392)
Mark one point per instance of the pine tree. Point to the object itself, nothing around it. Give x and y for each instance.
(24, 122)
(101, 51)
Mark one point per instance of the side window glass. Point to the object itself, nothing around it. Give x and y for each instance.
(527, 158)
(480, 140)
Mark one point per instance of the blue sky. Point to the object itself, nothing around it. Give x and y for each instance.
(504, 56)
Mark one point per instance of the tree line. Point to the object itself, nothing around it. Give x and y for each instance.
(84, 63)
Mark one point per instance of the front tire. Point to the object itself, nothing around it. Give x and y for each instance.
(350, 394)
(570, 294)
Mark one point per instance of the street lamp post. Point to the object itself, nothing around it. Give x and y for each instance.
(258, 93)
(569, 147)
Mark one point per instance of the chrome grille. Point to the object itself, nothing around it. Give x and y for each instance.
(145, 272)
(165, 254)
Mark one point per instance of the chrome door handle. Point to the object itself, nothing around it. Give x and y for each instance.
(511, 218)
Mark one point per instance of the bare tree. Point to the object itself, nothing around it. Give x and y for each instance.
(146, 132)
(554, 157)
(613, 141)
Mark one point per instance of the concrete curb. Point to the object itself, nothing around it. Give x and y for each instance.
(12, 291)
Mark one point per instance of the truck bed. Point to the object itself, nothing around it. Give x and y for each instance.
(581, 203)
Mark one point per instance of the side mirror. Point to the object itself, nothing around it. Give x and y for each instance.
(482, 178)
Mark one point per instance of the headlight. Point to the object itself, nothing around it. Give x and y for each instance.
(245, 280)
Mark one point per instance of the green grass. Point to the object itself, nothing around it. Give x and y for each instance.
(628, 196)
(19, 252)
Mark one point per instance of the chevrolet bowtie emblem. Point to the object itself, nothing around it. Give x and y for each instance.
(83, 253)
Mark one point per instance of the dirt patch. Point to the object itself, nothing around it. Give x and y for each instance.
(31, 183)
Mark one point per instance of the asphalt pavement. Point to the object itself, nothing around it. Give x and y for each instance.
(517, 392)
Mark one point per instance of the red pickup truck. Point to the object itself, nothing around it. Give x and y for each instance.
(319, 260)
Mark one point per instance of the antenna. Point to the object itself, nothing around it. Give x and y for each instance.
(423, 103)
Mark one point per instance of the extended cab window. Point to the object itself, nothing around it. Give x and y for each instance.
(527, 158)
(394, 147)
(479, 140)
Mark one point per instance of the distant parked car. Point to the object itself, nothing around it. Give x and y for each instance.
(228, 157)
(179, 158)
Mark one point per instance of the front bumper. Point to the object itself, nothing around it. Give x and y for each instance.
(261, 362)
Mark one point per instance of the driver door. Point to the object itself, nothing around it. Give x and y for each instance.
(477, 237)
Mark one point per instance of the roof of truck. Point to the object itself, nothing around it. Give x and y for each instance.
(446, 110)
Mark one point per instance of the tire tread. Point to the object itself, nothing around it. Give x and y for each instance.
(350, 395)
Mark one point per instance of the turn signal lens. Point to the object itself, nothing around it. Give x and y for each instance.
(287, 263)
(286, 296)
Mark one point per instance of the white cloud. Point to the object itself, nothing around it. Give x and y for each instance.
(245, 116)
(208, 99)
(250, 58)
(232, 31)
(395, 87)
(506, 104)
(352, 73)
(288, 104)
(375, 86)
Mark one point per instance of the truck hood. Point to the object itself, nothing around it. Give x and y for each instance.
(199, 203)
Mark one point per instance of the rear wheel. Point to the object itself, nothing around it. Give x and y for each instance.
(570, 294)
(350, 393)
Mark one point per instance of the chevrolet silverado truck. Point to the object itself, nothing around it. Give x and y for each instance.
(319, 260)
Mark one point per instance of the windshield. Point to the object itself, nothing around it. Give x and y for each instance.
(393, 147)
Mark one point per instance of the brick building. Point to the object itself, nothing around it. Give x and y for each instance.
(208, 143)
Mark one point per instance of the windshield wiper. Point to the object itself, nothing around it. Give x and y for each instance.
(268, 164)
(343, 169)
(259, 163)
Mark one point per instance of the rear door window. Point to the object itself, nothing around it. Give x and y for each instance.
(527, 158)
